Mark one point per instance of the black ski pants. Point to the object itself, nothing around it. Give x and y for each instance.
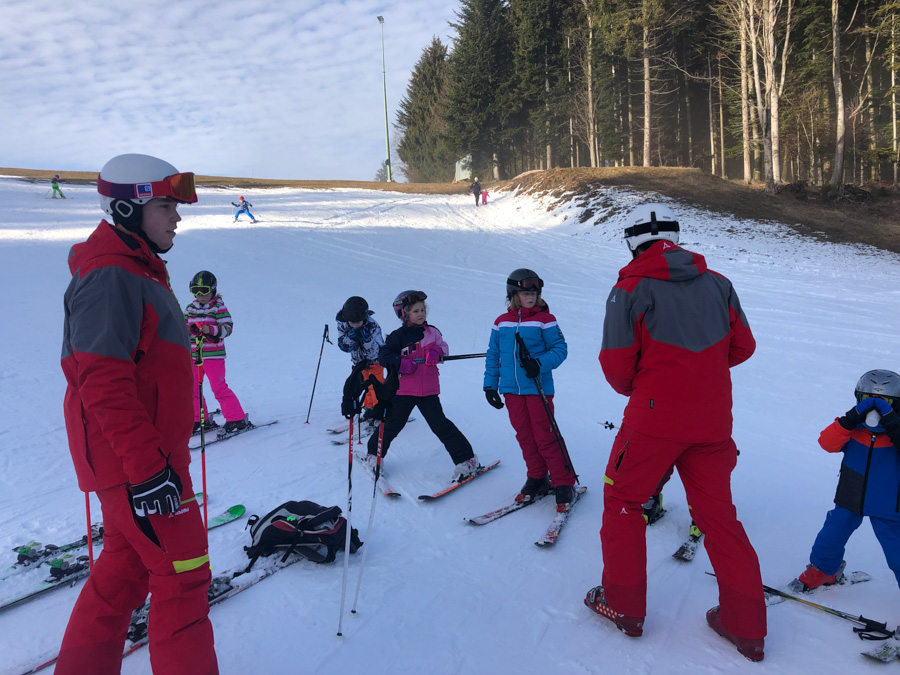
(430, 406)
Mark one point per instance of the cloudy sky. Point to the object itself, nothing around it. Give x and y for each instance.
(259, 88)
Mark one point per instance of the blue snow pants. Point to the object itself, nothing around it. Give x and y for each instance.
(828, 549)
(237, 214)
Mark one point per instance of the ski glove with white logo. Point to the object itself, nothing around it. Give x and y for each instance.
(160, 494)
(493, 397)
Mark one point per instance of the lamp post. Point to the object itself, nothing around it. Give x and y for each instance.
(387, 140)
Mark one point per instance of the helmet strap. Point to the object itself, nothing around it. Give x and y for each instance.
(131, 216)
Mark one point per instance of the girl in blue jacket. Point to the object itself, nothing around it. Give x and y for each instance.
(529, 316)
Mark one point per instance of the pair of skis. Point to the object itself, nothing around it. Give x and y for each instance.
(222, 435)
(551, 535)
(389, 491)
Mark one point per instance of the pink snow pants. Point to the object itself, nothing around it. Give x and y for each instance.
(536, 438)
(214, 369)
(636, 465)
(166, 555)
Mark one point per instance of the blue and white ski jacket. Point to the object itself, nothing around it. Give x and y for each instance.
(544, 340)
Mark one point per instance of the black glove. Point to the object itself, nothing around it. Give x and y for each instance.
(493, 397)
(532, 367)
(160, 494)
(856, 415)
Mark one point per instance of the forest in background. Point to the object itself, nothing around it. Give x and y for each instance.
(763, 91)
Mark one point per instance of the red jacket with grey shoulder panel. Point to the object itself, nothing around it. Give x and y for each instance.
(673, 329)
(125, 355)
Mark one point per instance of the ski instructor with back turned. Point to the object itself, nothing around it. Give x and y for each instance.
(672, 331)
(127, 363)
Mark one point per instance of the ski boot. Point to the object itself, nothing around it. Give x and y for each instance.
(564, 496)
(465, 469)
(653, 509)
(748, 647)
(237, 425)
(595, 600)
(533, 488)
(813, 577)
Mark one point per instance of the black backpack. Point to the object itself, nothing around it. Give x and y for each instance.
(315, 532)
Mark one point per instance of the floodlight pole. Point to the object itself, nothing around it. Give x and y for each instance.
(387, 141)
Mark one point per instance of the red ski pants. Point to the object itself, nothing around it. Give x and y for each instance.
(636, 465)
(536, 438)
(166, 555)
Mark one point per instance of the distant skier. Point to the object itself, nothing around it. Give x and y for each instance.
(242, 206)
(126, 361)
(360, 335)
(54, 183)
(868, 436)
(484, 196)
(208, 317)
(475, 189)
(420, 386)
(672, 331)
(529, 317)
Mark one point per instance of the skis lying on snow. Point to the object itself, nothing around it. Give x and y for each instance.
(221, 588)
(688, 548)
(66, 570)
(33, 553)
(556, 525)
(385, 486)
(453, 485)
(887, 651)
(222, 435)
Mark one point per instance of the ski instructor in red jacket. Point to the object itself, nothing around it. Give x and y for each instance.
(672, 331)
(128, 416)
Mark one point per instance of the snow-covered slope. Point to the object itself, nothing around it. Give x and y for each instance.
(439, 596)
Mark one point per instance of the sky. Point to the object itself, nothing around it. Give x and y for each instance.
(234, 88)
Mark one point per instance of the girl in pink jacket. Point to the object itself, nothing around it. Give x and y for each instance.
(416, 349)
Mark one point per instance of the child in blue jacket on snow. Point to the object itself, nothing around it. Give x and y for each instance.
(360, 336)
(242, 206)
(529, 317)
(869, 485)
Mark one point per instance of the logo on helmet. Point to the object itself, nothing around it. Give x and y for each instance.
(143, 190)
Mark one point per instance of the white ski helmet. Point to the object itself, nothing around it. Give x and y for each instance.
(132, 180)
(650, 222)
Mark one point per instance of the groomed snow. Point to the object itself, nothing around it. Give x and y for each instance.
(439, 596)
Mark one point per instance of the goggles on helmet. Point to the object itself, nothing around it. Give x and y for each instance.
(413, 298)
(179, 186)
(533, 284)
(201, 290)
(889, 399)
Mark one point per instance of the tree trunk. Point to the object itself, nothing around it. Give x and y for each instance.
(745, 96)
(721, 121)
(894, 67)
(690, 124)
(712, 124)
(630, 116)
(764, 99)
(547, 107)
(837, 167)
(592, 123)
(874, 167)
(646, 56)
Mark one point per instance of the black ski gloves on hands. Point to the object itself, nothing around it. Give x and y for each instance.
(493, 397)
(851, 419)
(160, 494)
(532, 367)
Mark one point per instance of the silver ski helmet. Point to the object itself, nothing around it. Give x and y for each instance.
(523, 279)
(202, 283)
(649, 222)
(882, 383)
(354, 309)
(404, 300)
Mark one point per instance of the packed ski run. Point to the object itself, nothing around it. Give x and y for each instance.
(819, 311)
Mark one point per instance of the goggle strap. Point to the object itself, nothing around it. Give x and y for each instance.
(172, 186)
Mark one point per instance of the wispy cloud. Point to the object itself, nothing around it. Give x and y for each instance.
(257, 88)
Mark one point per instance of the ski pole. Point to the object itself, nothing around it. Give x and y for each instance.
(362, 563)
(321, 349)
(198, 361)
(455, 357)
(524, 355)
(90, 538)
(868, 629)
(349, 525)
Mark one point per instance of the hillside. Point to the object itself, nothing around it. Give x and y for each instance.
(875, 222)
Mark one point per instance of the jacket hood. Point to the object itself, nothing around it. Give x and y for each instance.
(107, 240)
(665, 261)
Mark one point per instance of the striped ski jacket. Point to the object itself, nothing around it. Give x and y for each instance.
(216, 316)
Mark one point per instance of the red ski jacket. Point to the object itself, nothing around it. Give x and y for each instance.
(672, 330)
(125, 354)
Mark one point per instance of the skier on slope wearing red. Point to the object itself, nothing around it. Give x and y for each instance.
(127, 364)
(672, 331)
